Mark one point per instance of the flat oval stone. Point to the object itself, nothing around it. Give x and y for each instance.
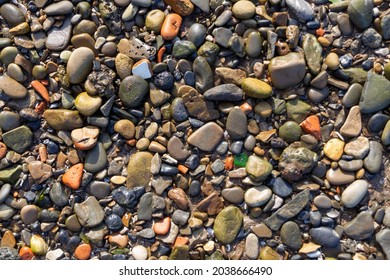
(325, 236)
(18, 139)
(253, 44)
(377, 122)
(256, 88)
(376, 92)
(224, 92)
(234, 195)
(6, 212)
(59, 8)
(257, 196)
(12, 88)
(339, 177)
(313, 51)
(357, 148)
(96, 159)
(80, 64)
(9, 120)
(62, 119)
(354, 193)
(361, 12)
(322, 201)
(227, 224)
(58, 37)
(12, 14)
(29, 214)
(154, 21)
(280, 187)
(4, 191)
(201, 137)
(352, 96)
(196, 34)
(353, 124)
(288, 70)
(373, 161)
(58, 195)
(301, 9)
(353, 165)
(334, 149)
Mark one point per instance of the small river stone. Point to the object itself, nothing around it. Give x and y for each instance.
(325, 236)
(252, 246)
(354, 193)
(89, 212)
(291, 235)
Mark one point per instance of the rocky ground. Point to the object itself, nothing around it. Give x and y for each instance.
(162, 129)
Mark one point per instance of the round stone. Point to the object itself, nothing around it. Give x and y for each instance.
(80, 65)
(29, 214)
(354, 193)
(125, 128)
(257, 196)
(256, 88)
(290, 132)
(87, 104)
(332, 61)
(139, 252)
(227, 224)
(154, 20)
(243, 9)
(263, 109)
(322, 202)
(196, 34)
(291, 235)
(132, 91)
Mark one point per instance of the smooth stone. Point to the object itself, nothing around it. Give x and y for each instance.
(253, 44)
(236, 124)
(12, 14)
(383, 239)
(89, 212)
(386, 217)
(6, 212)
(136, 49)
(139, 252)
(280, 187)
(196, 34)
(376, 93)
(223, 18)
(85, 138)
(288, 211)
(56, 254)
(361, 227)
(256, 88)
(354, 193)
(38, 245)
(139, 169)
(177, 149)
(15, 72)
(18, 139)
(203, 74)
(334, 149)
(12, 88)
(332, 61)
(385, 138)
(257, 196)
(9, 120)
(243, 9)
(234, 195)
(4, 191)
(178, 110)
(132, 91)
(130, 12)
(353, 124)
(224, 92)
(288, 70)
(301, 9)
(58, 37)
(352, 96)
(182, 7)
(377, 122)
(339, 177)
(227, 224)
(317, 95)
(96, 159)
(59, 8)
(230, 76)
(252, 246)
(361, 12)
(99, 189)
(373, 161)
(29, 214)
(8, 55)
(80, 64)
(371, 38)
(258, 169)
(353, 165)
(154, 20)
(345, 25)
(58, 195)
(291, 235)
(357, 148)
(11, 174)
(62, 119)
(320, 81)
(200, 138)
(183, 49)
(313, 52)
(325, 236)
(290, 132)
(180, 217)
(86, 104)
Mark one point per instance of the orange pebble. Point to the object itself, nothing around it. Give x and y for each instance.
(162, 227)
(131, 142)
(83, 252)
(3, 150)
(40, 107)
(72, 177)
(229, 163)
(320, 32)
(171, 26)
(42, 153)
(160, 54)
(26, 253)
(40, 88)
(312, 126)
(245, 107)
(181, 240)
(183, 169)
(44, 82)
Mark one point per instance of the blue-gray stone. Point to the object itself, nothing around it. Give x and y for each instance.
(280, 187)
(325, 236)
(301, 9)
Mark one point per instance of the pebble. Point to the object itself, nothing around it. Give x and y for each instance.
(83, 252)
(236, 124)
(353, 165)
(80, 64)
(325, 236)
(225, 92)
(243, 9)
(357, 148)
(383, 239)
(361, 12)
(63, 119)
(12, 88)
(290, 131)
(200, 138)
(377, 122)
(353, 124)
(139, 169)
(96, 159)
(255, 88)
(375, 95)
(334, 149)
(385, 134)
(18, 139)
(38, 245)
(322, 202)
(371, 38)
(373, 161)
(291, 235)
(72, 178)
(89, 212)
(301, 9)
(170, 27)
(352, 96)
(154, 20)
(257, 168)
(39, 171)
(257, 196)
(339, 177)
(59, 8)
(132, 91)
(227, 224)
(313, 52)
(197, 34)
(252, 246)
(361, 227)
(139, 252)
(354, 193)
(86, 104)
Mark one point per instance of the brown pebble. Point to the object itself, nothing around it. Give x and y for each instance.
(8, 240)
(3, 150)
(83, 252)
